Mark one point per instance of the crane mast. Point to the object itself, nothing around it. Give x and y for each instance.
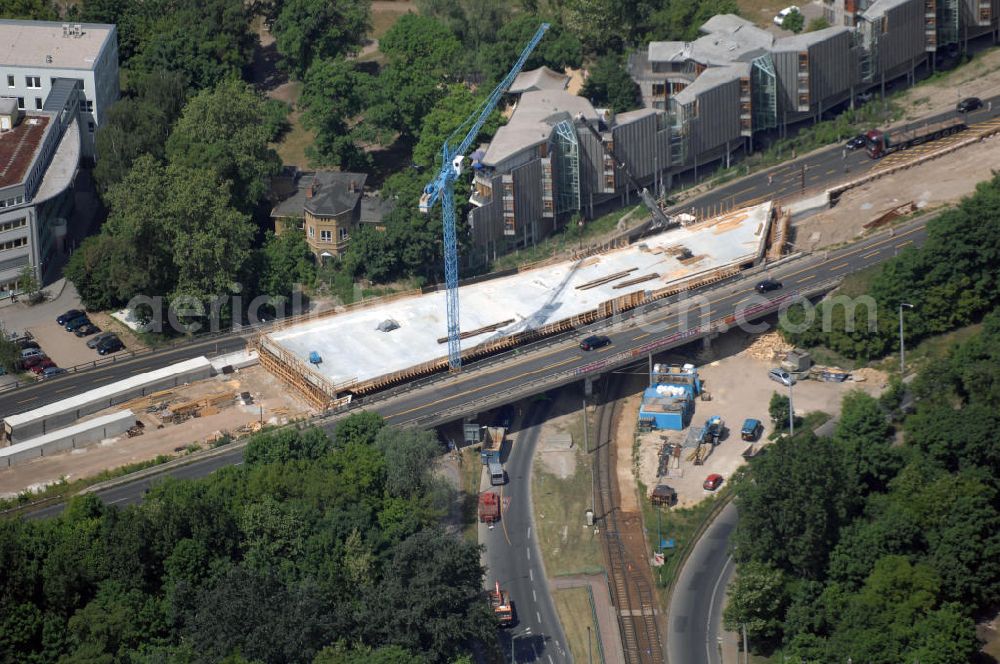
(443, 188)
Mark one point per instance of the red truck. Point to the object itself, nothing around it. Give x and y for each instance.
(502, 607)
(489, 507)
(879, 143)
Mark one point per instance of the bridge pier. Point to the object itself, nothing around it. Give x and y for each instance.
(588, 387)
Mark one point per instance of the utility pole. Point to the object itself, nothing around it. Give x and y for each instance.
(590, 653)
(791, 408)
(902, 346)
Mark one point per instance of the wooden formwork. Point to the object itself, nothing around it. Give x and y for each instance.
(276, 362)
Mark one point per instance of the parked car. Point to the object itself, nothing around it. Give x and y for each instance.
(49, 372)
(110, 345)
(969, 104)
(751, 429)
(94, 341)
(77, 323)
(32, 352)
(768, 285)
(712, 482)
(46, 363)
(64, 318)
(595, 341)
(781, 376)
(29, 362)
(779, 20)
(856, 143)
(86, 330)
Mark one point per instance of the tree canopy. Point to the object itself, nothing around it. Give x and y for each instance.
(302, 554)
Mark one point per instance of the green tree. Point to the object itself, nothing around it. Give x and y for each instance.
(308, 30)
(334, 91)
(818, 23)
(757, 601)
(228, 129)
(865, 436)
(794, 21)
(777, 410)
(286, 445)
(358, 429)
(286, 261)
(609, 84)
(558, 49)
(595, 23)
(10, 353)
(449, 113)
(792, 509)
(32, 10)
(27, 283)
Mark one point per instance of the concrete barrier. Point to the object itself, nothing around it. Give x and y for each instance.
(241, 359)
(40, 421)
(78, 435)
(820, 201)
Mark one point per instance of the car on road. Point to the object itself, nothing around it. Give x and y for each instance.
(93, 342)
(49, 372)
(76, 323)
(712, 482)
(768, 285)
(781, 376)
(595, 341)
(856, 143)
(110, 345)
(66, 317)
(86, 330)
(779, 20)
(42, 366)
(969, 104)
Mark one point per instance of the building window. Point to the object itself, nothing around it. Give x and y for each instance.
(20, 103)
(13, 244)
(12, 224)
(312, 231)
(90, 127)
(38, 103)
(10, 80)
(326, 236)
(9, 287)
(33, 82)
(88, 106)
(343, 234)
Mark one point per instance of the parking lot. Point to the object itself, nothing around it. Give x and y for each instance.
(739, 389)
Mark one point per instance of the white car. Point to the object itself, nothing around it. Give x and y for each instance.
(781, 376)
(779, 20)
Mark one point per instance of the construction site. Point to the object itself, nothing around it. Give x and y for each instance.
(355, 351)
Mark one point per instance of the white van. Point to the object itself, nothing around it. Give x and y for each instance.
(31, 352)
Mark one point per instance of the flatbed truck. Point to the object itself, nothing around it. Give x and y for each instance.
(879, 143)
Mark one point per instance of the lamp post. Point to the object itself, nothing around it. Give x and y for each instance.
(902, 347)
(791, 408)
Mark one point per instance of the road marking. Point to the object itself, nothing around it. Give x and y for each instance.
(807, 278)
(711, 609)
(119, 500)
(503, 519)
(533, 595)
(529, 532)
(539, 616)
(66, 389)
(27, 400)
(831, 171)
(641, 336)
(839, 267)
(528, 549)
(903, 244)
(605, 349)
(550, 658)
(872, 253)
(531, 575)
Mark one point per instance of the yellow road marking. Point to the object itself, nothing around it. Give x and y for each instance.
(642, 336)
(903, 244)
(503, 517)
(807, 278)
(871, 253)
(838, 267)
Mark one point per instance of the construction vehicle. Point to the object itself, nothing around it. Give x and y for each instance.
(489, 507)
(714, 429)
(879, 143)
(502, 607)
(443, 188)
(660, 219)
(492, 444)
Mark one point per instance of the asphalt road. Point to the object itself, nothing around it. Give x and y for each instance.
(696, 603)
(512, 557)
(480, 388)
(46, 391)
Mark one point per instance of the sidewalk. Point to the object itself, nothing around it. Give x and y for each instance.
(611, 641)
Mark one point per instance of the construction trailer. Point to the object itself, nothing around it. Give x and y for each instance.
(492, 444)
(489, 507)
(669, 402)
(502, 607)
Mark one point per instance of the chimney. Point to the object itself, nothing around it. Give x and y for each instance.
(353, 187)
(311, 191)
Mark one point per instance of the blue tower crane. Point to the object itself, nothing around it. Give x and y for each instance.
(443, 188)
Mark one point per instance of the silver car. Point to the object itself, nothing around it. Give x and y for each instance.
(781, 376)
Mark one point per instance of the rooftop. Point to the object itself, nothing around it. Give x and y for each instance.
(352, 348)
(880, 7)
(531, 124)
(42, 44)
(710, 78)
(804, 40)
(18, 147)
(542, 78)
(728, 39)
(324, 194)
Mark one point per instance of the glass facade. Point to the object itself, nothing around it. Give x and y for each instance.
(567, 168)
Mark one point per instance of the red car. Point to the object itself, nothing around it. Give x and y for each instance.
(37, 369)
(32, 361)
(712, 482)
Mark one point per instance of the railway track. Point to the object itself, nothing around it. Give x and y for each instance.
(632, 596)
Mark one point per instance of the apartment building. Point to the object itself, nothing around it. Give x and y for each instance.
(545, 165)
(34, 55)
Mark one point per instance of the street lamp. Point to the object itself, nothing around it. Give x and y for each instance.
(791, 408)
(902, 348)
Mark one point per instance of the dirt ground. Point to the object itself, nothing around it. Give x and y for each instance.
(935, 183)
(279, 406)
(740, 389)
(978, 78)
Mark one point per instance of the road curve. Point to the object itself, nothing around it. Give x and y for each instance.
(696, 604)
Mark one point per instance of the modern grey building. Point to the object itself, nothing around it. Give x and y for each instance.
(544, 166)
(56, 84)
(36, 54)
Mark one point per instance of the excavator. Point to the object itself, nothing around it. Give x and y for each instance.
(660, 220)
